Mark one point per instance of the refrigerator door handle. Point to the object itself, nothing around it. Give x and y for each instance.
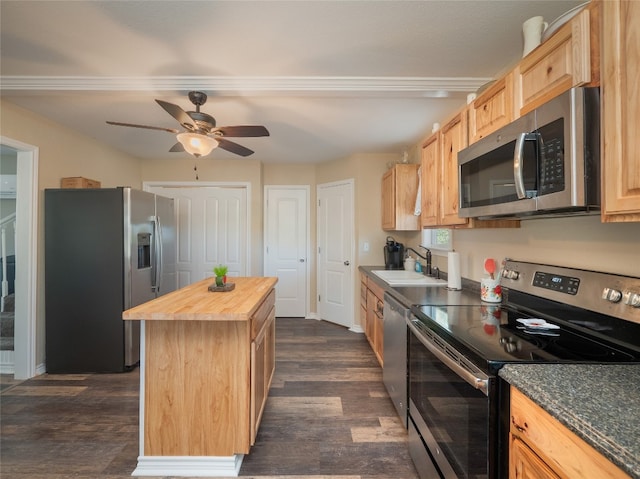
(155, 263)
(160, 257)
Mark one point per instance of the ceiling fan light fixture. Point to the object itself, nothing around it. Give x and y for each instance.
(196, 143)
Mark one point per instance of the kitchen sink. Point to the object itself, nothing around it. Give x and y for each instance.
(400, 277)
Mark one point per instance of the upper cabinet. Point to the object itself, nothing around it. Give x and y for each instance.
(440, 173)
(454, 139)
(430, 194)
(399, 192)
(440, 198)
(569, 58)
(620, 110)
(493, 109)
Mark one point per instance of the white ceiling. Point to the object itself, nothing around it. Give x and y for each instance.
(327, 78)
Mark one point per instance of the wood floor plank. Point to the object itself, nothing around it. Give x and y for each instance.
(327, 417)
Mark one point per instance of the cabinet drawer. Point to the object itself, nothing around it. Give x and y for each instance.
(262, 313)
(562, 62)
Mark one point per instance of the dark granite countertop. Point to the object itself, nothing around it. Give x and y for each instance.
(600, 403)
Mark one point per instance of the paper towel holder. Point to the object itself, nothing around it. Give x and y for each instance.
(454, 279)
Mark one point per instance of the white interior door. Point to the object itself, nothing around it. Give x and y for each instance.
(287, 246)
(335, 252)
(211, 229)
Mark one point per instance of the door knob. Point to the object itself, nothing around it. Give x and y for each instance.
(346, 263)
(301, 260)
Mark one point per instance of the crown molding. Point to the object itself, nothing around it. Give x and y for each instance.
(242, 85)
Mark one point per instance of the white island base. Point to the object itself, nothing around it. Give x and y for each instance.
(189, 466)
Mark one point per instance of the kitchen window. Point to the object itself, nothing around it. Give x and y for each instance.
(438, 240)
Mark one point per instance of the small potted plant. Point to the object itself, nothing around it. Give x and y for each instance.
(221, 274)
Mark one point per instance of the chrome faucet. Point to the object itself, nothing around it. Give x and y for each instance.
(426, 257)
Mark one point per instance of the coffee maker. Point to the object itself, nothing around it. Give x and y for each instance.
(393, 254)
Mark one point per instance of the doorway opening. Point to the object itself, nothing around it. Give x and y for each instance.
(24, 227)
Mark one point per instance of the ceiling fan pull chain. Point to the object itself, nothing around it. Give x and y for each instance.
(195, 168)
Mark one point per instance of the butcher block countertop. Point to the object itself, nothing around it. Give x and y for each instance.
(196, 303)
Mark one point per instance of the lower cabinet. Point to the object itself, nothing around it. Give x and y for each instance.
(263, 364)
(540, 447)
(374, 326)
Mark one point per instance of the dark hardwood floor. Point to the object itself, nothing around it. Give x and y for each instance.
(328, 416)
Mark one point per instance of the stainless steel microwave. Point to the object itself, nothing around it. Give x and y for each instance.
(546, 162)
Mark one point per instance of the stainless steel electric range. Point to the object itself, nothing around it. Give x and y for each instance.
(551, 314)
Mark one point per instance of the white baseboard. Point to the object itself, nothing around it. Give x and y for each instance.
(189, 466)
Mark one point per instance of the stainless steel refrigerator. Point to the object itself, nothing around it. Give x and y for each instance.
(106, 250)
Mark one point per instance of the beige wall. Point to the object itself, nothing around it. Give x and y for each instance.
(578, 242)
(366, 170)
(62, 152)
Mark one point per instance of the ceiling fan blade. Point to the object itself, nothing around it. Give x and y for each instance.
(243, 130)
(177, 148)
(178, 113)
(234, 147)
(117, 123)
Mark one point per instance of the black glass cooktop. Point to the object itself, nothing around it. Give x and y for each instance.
(495, 334)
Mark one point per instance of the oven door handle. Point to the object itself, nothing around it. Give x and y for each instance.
(476, 379)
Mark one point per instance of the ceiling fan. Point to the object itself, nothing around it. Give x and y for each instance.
(201, 135)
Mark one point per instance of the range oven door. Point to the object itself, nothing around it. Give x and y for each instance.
(450, 404)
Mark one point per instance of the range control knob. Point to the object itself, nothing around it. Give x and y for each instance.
(612, 295)
(631, 298)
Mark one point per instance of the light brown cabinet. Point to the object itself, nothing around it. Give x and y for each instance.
(493, 109)
(263, 362)
(620, 111)
(440, 201)
(430, 194)
(374, 326)
(454, 139)
(569, 58)
(440, 173)
(399, 191)
(541, 447)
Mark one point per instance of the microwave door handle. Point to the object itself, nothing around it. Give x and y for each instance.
(518, 167)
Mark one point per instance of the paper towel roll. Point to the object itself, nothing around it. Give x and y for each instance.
(454, 281)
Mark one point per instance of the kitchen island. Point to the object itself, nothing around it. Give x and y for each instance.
(206, 364)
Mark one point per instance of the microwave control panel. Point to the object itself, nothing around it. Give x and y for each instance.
(551, 147)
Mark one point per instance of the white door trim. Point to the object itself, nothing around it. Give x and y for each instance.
(147, 185)
(26, 264)
(307, 190)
